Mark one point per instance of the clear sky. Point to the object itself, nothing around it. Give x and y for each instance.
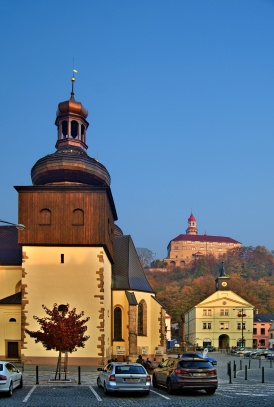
(180, 95)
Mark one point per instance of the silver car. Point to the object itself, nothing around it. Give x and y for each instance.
(124, 377)
(10, 378)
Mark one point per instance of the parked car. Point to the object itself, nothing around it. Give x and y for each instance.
(211, 348)
(270, 356)
(200, 356)
(10, 378)
(199, 348)
(124, 377)
(185, 373)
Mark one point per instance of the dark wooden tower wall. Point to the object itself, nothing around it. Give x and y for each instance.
(67, 215)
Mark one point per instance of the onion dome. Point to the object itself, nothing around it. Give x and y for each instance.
(71, 106)
(191, 218)
(117, 231)
(70, 163)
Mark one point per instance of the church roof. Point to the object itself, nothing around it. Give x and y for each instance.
(10, 250)
(131, 298)
(204, 238)
(127, 272)
(12, 299)
(159, 302)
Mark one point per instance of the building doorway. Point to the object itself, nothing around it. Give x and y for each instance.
(223, 342)
(13, 351)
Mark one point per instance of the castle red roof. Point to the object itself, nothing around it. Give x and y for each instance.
(204, 238)
(191, 218)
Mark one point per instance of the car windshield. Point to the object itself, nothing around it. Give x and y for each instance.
(1, 366)
(129, 369)
(195, 364)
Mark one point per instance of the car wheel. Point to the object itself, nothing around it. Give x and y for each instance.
(210, 391)
(10, 390)
(21, 383)
(154, 381)
(169, 387)
(105, 389)
(98, 382)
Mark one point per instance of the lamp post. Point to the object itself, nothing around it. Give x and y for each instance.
(242, 315)
(18, 226)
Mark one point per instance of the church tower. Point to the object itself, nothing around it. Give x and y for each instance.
(68, 242)
(192, 229)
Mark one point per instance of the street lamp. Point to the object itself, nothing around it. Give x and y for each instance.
(18, 226)
(241, 314)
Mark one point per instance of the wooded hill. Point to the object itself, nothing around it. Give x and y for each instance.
(251, 272)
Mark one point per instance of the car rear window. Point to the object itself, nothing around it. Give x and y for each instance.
(195, 364)
(1, 367)
(128, 369)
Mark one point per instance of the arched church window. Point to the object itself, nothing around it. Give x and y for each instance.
(78, 217)
(74, 129)
(142, 318)
(65, 128)
(45, 217)
(118, 324)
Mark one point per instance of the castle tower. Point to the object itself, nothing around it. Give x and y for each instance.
(192, 229)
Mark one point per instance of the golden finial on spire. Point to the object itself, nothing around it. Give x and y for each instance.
(73, 80)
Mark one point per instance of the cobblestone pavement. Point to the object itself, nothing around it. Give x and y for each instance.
(245, 387)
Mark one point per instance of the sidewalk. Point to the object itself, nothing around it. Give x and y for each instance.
(46, 376)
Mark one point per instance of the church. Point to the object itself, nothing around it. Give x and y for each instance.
(72, 252)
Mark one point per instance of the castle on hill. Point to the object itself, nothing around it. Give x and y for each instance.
(189, 246)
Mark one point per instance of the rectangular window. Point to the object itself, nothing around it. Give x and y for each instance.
(262, 331)
(239, 325)
(204, 325)
(207, 312)
(62, 258)
(209, 325)
(224, 312)
(254, 331)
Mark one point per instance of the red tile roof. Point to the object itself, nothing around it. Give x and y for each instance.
(204, 238)
(191, 218)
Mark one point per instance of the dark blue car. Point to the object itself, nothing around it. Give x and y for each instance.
(198, 355)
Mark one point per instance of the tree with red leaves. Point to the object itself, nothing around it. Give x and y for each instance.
(63, 330)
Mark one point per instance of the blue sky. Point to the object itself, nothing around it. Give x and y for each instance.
(180, 97)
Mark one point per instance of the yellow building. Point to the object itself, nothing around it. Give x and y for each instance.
(189, 246)
(71, 251)
(222, 320)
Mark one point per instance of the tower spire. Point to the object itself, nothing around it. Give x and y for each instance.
(192, 229)
(72, 83)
